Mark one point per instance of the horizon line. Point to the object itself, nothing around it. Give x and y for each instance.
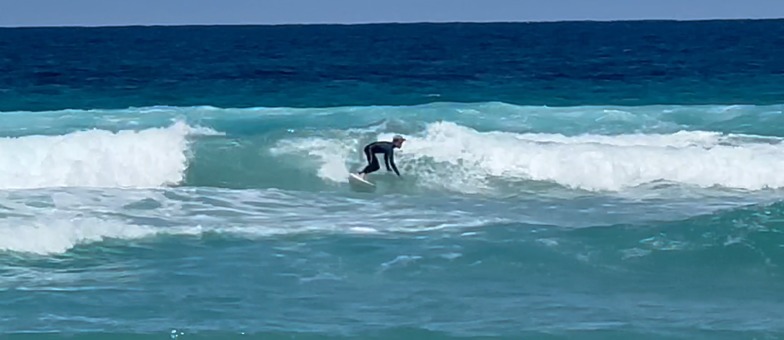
(327, 23)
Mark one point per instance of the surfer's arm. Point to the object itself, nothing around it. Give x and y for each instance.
(390, 159)
(387, 155)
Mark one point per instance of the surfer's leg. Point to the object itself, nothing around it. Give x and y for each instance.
(373, 166)
(369, 157)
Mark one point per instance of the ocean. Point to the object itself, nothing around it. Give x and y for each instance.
(566, 180)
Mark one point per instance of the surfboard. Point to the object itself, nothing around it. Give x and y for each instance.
(360, 184)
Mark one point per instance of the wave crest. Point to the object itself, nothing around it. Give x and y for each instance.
(450, 156)
(97, 158)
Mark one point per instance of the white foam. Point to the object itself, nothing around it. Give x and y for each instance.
(594, 162)
(331, 154)
(453, 157)
(57, 234)
(97, 158)
(52, 221)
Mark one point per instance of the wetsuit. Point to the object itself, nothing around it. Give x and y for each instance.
(387, 148)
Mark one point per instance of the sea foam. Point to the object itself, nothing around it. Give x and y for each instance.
(97, 158)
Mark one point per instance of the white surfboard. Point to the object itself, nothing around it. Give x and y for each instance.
(358, 183)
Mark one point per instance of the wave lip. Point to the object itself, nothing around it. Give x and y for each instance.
(151, 157)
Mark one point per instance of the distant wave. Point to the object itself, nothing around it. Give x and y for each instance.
(766, 120)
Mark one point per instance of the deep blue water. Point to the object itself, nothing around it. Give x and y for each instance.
(560, 180)
(570, 63)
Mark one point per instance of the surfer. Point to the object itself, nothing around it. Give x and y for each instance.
(387, 148)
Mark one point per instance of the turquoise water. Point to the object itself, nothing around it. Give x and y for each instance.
(190, 183)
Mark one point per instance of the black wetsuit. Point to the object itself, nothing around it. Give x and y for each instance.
(387, 148)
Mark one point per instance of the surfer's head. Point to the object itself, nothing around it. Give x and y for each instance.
(398, 141)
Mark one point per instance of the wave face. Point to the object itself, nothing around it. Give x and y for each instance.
(486, 148)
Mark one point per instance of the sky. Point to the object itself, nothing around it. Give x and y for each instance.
(14, 13)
